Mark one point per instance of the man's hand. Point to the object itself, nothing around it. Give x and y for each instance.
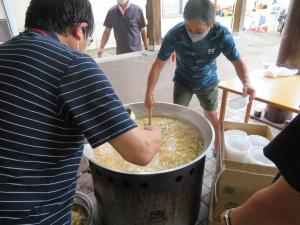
(100, 52)
(248, 89)
(242, 72)
(156, 129)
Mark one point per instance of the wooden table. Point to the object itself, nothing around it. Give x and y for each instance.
(281, 92)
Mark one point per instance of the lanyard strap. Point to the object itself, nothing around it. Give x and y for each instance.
(41, 32)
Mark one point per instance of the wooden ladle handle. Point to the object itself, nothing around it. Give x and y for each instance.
(150, 117)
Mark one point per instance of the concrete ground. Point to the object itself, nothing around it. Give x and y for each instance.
(256, 49)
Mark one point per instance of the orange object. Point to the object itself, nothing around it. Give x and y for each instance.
(173, 57)
(259, 5)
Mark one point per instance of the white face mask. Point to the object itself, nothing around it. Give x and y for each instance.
(197, 37)
(122, 2)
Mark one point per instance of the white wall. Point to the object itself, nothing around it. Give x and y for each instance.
(128, 74)
(18, 10)
(2, 13)
(168, 22)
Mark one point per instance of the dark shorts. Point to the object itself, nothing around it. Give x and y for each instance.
(207, 97)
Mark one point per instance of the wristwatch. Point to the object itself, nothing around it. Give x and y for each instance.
(227, 216)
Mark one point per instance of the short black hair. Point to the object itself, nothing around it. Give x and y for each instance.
(199, 10)
(59, 16)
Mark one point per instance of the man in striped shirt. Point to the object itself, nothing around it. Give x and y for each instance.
(51, 98)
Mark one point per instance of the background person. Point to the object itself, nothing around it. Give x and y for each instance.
(262, 20)
(281, 20)
(52, 97)
(129, 25)
(253, 21)
(197, 42)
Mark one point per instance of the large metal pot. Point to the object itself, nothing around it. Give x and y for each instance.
(169, 197)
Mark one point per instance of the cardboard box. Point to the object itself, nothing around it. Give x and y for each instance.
(235, 182)
(250, 129)
(211, 219)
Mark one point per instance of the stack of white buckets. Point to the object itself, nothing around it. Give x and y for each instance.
(244, 148)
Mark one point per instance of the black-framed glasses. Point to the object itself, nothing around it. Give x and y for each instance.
(90, 39)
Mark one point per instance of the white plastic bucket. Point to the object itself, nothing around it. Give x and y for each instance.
(256, 156)
(231, 132)
(257, 140)
(237, 147)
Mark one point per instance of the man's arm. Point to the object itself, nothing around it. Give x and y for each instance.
(277, 204)
(144, 37)
(138, 145)
(242, 72)
(152, 80)
(104, 39)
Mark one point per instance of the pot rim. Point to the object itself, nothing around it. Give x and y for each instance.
(88, 149)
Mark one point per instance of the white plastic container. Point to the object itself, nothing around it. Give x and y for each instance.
(235, 132)
(239, 102)
(256, 156)
(257, 140)
(237, 147)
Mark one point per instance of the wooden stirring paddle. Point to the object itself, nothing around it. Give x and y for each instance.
(150, 117)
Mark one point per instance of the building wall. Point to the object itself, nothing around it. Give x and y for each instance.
(2, 13)
(128, 74)
(18, 10)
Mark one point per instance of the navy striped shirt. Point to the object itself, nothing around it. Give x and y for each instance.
(51, 97)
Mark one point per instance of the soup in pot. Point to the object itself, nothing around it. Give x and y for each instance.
(182, 143)
(79, 216)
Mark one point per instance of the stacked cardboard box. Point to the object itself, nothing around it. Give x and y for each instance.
(235, 182)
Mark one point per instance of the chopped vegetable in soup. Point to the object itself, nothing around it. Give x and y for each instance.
(79, 217)
(181, 144)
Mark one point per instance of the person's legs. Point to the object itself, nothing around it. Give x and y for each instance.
(208, 99)
(181, 95)
(260, 29)
(213, 118)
